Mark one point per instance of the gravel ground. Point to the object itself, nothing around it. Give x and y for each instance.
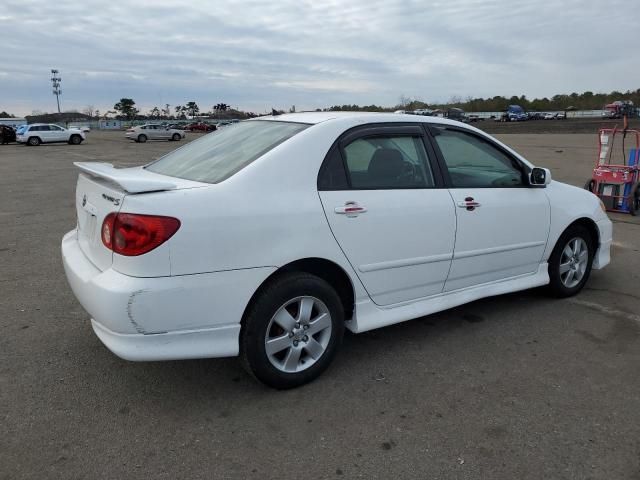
(513, 387)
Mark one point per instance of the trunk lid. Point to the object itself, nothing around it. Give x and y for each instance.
(101, 189)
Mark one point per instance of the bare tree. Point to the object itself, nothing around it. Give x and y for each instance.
(89, 110)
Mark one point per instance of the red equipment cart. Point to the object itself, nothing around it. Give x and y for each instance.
(617, 183)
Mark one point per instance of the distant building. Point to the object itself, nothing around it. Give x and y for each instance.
(110, 124)
(13, 122)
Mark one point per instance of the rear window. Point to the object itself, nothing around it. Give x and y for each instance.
(218, 155)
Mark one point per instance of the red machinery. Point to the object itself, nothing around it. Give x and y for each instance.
(617, 183)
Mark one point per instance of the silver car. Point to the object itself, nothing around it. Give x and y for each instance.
(150, 131)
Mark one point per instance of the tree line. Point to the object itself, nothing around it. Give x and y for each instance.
(126, 109)
(579, 101)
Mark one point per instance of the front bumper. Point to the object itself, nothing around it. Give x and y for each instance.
(603, 254)
(162, 318)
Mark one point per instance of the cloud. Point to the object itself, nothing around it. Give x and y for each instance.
(257, 55)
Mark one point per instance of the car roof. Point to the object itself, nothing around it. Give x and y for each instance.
(357, 117)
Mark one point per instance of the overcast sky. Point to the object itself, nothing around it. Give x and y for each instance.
(258, 54)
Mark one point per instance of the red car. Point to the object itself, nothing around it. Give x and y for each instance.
(200, 127)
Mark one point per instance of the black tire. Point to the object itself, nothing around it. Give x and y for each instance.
(590, 185)
(257, 319)
(75, 140)
(34, 141)
(176, 137)
(634, 200)
(556, 286)
(142, 138)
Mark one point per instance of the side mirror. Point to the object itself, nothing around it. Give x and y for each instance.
(540, 177)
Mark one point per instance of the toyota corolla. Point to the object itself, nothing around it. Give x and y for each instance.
(268, 238)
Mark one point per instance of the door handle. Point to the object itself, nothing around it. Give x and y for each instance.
(350, 209)
(469, 203)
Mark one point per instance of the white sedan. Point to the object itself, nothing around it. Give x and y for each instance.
(269, 237)
(152, 131)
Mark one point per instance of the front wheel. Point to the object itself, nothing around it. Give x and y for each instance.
(292, 330)
(75, 140)
(176, 137)
(570, 262)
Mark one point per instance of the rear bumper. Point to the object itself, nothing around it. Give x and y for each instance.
(180, 345)
(162, 318)
(603, 254)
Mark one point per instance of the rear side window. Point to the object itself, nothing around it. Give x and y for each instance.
(218, 155)
(388, 162)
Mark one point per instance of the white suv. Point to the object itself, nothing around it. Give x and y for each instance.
(49, 133)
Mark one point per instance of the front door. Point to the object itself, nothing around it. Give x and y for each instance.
(502, 222)
(389, 212)
(58, 134)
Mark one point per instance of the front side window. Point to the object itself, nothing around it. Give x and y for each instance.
(474, 163)
(218, 155)
(388, 162)
(55, 128)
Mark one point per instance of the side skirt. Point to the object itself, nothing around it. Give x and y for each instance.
(369, 316)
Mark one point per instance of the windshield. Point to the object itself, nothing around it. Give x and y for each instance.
(218, 155)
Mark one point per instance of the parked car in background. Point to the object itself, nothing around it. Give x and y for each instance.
(201, 127)
(561, 116)
(474, 118)
(151, 131)
(270, 238)
(456, 114)
(38, 133)
(515, 113)
(7, 134)
(549, 116)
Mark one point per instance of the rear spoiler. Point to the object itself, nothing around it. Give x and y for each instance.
(131, 180)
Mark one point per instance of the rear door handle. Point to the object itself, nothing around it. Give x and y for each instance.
(469, 203)
(350, 209)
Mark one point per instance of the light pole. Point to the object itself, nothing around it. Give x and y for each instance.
(55, 81)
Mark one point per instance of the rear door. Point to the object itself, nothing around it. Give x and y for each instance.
(502, 222)
(41, 131)
(385, 203)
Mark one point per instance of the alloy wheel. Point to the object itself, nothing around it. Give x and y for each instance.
(298, 334)
(573, 262)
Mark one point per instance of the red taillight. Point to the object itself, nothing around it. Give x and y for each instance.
(132, 234)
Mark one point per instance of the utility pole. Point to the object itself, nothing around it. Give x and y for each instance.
(55, 81)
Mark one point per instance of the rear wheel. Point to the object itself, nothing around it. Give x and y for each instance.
(292, 330)
(75, 140)
(570, 262)
(176, 137)
(34, 141)
(142, 138)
